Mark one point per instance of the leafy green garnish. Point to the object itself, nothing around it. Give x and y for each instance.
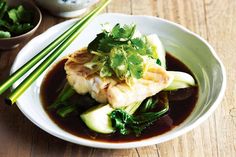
(4, 24)
(18, 29)
(15, 21)
(126, 123)
(93, 45)
(15, 15)
(20, 15)
(118, 62)
(123, 54)
(3, 8)
(135, 63)
(4, 34)
(158, 62)
(124, 33)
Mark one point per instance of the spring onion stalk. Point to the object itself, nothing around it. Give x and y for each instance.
(43, 66)
(20, 72)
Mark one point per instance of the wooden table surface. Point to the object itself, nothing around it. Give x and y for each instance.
(214, 20)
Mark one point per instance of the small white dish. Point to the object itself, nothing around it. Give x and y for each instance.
(189, 47)
(66, 8)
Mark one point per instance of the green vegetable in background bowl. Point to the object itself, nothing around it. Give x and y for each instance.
(14, 21)
(18, 21)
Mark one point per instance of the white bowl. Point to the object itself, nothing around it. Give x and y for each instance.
(190, 48)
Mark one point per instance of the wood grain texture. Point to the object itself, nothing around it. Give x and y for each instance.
(212, 19)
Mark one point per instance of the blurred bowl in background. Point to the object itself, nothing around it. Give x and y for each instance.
(66, 8)
(13, 42)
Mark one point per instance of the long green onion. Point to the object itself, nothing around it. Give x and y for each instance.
(43, 66)
(16, 75)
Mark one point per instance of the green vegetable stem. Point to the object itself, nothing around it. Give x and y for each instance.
(14, 21)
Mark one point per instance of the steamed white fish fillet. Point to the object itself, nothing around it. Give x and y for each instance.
(154, 80)
(82, 78)
(108, 90)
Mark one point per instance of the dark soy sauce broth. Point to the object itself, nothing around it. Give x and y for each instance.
(181, 102)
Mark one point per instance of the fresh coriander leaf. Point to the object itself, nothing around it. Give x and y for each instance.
(116, 31)
(135, 59)
(93, 46)
(136, 72)
(13, 15)
(4, 34)
(150, 50)
(125, 53)
(16, 20)
(143, 47)
(105, 41)
(4, 24)
(20, 15)
(3, 8)
(100, 64)
(106, 44)
(118, 62)
(25, 16)
(124, 33)
(139, 43)
(18, 29)
(130, 29)
(135, 63)
(158, 62)
(106, 71)
(20, 12)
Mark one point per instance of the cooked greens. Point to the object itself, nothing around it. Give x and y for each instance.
(3, 8)
(105, 119)
(65, 107)
(63, 96)
(126, 123)
(4, 34)
(14, 21)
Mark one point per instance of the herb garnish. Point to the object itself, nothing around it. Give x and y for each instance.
(14, 21)
(118, 53)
